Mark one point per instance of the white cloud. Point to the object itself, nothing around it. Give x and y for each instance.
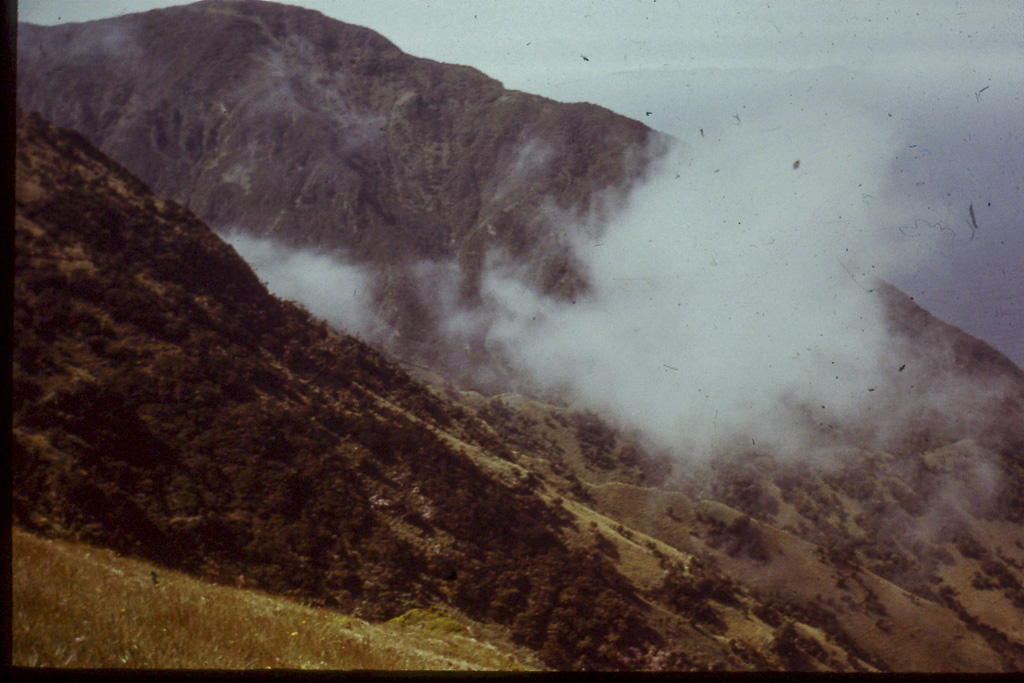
(732, 288)
(338, 292)
(939, 78)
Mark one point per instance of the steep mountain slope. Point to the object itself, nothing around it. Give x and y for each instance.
(166, 405)
(909, 560)
(279, 122)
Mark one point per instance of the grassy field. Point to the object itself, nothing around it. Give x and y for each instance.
(83, 607)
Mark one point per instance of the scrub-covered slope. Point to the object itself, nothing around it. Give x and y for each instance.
(167, 406)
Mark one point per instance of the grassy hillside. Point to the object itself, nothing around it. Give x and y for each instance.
(907, 561)
(79, 606)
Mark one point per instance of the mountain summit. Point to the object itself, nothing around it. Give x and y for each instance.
(278, 122)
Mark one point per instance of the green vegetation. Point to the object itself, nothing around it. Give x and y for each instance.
(83, 607)
(167, 406)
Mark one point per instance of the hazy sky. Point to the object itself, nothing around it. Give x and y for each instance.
(939, 81)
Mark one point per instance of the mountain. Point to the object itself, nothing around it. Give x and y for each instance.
(279, 122)
(167, 406)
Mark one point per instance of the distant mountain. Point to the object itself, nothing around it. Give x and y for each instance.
(279, 122)
(167, 406)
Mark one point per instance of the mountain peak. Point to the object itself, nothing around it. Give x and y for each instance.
(281, 123)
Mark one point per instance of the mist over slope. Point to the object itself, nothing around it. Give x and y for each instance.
(278, 454)
(736, 299)
(733, 290)
(336, 291)
(167, 406)
(288, 125)
(487, 233)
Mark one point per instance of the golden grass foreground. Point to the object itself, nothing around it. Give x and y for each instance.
(82, 607)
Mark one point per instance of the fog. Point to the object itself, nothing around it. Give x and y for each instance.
(821, 146)
(939, 79)
(731, 300)
(327, 286)
(732, 294)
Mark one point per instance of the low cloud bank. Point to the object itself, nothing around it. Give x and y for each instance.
(731, 302)
(339, 292)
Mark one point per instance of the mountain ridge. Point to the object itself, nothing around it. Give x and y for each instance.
(163, 411)
(166, 405)
(281, 123)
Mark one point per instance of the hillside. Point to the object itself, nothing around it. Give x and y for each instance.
(83, 607)
(279, 122)
(895, 557)
(167, 406)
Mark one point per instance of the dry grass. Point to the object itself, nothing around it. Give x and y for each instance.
(78, 606)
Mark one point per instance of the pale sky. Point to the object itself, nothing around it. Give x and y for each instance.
(942, 78)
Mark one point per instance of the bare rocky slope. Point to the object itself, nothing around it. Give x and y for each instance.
(279, 122)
